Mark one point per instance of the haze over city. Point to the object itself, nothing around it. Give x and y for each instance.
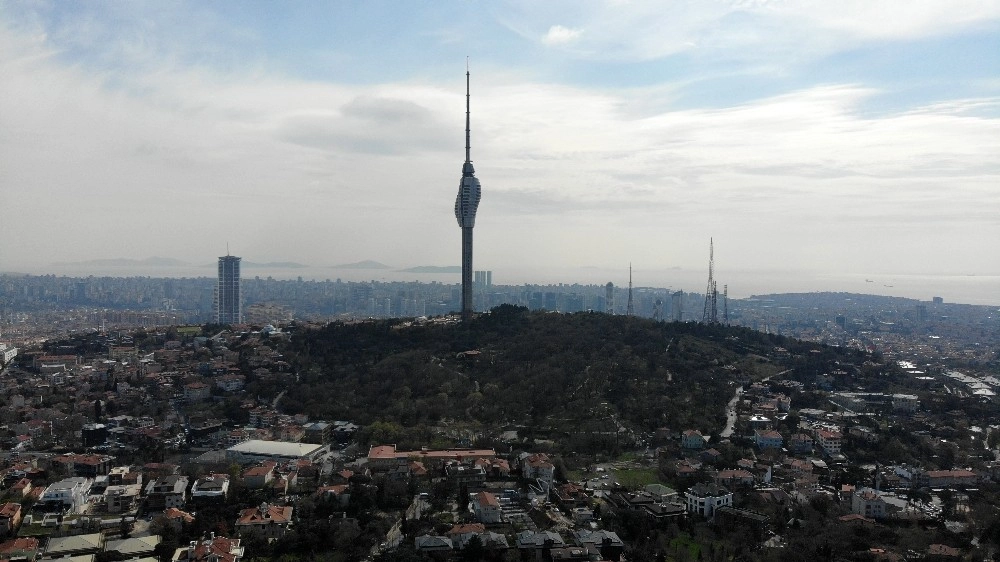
(813, 141)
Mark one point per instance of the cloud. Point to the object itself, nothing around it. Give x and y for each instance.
(559, 35)
(739, 31)
(104, 159)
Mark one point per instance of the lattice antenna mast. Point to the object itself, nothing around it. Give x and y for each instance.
(725, 304)
(630, 311)
(711, 313)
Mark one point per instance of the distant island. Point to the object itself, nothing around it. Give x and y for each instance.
(366, 264)
(434, 269)
(126, 262)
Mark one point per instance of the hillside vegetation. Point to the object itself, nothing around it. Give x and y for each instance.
(589, 376)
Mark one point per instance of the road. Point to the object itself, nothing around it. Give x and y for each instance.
(727, 432)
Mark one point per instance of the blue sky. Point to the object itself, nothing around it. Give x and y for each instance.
(857, 137)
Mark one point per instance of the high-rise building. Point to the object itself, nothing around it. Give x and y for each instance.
(466, 204)
(228, 308)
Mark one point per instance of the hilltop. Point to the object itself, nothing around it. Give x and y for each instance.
(581, 376)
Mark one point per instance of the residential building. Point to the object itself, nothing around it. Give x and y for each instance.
(228, 303)
(868, 502)
(166, 492)
(22, 548)
(214, 549)
(70, 494)
(829, 440)
(692, 439)
(74, 545)
(538, 466)
(211, 487)
(800, 444)
(196, 391)
(487, 508)
(266, 521)
(768, 439)
(10, 518)
(704, 499)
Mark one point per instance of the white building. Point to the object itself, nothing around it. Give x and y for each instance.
(869, 503)
(256, 451)
(704, 499)
(487, 508)
(70, 492)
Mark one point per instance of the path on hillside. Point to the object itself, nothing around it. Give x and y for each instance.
(731, 407)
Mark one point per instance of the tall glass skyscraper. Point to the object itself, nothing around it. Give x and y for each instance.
(466, 204)
(228, 308)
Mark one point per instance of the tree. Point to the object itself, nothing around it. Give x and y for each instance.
(474, 550)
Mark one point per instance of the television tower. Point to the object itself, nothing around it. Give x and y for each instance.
(711, 314)
(466, 204)
(629, 310)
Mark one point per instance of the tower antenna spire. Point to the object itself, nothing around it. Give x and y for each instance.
(468, 134)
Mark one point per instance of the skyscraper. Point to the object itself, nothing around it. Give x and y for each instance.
(466, 204)
(228, 309)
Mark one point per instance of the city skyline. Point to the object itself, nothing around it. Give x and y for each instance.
(811, 140)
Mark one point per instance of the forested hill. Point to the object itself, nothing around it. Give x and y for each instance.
(569, 373)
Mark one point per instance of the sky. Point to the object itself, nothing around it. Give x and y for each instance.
(805, 138)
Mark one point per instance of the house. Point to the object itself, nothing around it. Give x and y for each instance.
(339, 494)
(735, 477)
(166, 492)
(460, 534)
(537, 544)
(487, 508)
(134, 547)
(87, 466)
(949, 478)
(800, 444)
(768, 439)
(69, 494)
(572, 495)
(75, 545)
(538, 466)
(196, 391)
(868, 502)
(178, 518)
(21, 488)
(213, 549)
(692, 439)
(122, 498)
(10, 518)
(213, 487)
(829, 440)
(704, 499)
(23, 548)
(267, 521)
(438, 547)
(230, 383)
(607, 545)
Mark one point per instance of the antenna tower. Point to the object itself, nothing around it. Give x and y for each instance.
(711, 313)
(725, 304)
(630, 310)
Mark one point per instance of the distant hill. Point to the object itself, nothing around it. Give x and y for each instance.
(126, 262)
(275, 264)
(366, 264)
(433, 269)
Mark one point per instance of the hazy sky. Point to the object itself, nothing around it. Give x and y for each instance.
(851, 136)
